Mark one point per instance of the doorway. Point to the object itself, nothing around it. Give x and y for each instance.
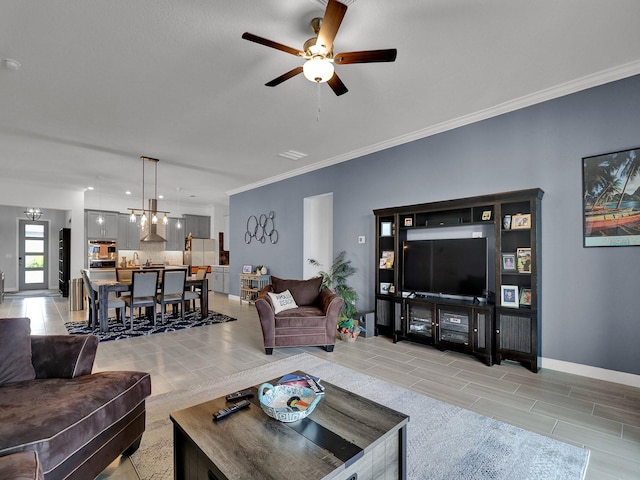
(33, 255)
(318, 233)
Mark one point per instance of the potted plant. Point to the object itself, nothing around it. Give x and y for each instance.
(336, 279)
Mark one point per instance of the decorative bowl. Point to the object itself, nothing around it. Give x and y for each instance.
(287, 403)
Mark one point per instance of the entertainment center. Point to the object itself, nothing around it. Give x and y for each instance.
(463, 275)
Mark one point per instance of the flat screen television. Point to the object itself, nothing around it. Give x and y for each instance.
(446, 267)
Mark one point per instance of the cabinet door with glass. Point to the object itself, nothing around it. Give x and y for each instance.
(419, 324)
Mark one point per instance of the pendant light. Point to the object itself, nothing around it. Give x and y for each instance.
(100, 218)
(150, 214)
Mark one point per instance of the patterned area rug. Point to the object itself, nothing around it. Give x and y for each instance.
(142, 326)
(445, 442)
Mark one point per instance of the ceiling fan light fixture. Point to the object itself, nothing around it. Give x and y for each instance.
(318, 69)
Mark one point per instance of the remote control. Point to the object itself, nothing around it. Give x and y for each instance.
(231, 409)
(239, 395)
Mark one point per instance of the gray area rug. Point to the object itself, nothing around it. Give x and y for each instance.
(445, 442)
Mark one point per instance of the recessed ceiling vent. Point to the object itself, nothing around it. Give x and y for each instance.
(292, 155)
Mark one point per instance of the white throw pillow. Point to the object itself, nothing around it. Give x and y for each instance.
(282, 301)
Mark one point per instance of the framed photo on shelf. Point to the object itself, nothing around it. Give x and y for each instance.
(524, 260)
(385, 229)
(610, 212)
(509, 262)
(247, 269)
(509, 296)
(506, 222)
(525, 296)
(486, 215)
(384, 288)
(521, 221)
(408, 222)
(386, 260)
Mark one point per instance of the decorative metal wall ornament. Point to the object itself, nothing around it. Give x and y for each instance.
(260, 228)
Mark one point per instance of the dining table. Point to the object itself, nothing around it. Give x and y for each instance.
(103, 286)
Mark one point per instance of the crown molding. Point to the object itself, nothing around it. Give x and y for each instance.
(596, 79)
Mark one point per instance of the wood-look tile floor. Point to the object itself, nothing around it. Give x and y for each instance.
(602, 416)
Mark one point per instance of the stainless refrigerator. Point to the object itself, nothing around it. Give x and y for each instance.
(203, 252)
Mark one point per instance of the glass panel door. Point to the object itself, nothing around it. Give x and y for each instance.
(33, 255)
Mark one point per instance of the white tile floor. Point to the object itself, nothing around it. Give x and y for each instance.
(603, 416)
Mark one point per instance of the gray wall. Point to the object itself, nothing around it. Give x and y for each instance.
(591, 304)
(9, 243)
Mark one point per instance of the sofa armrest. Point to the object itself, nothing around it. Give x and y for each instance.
(267, 316)
(330, 303)
(63, 356)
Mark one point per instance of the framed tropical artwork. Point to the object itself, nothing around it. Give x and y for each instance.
(611, 199)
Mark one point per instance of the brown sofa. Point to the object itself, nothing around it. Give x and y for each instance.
(50, 403)
(312, 322)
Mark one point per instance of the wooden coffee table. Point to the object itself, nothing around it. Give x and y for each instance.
(347, 437)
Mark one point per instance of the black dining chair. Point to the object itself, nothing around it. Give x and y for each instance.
(144, 289)
(172, 291)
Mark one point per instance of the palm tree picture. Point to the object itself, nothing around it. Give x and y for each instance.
(611, 198)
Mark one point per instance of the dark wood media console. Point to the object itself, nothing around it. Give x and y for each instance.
(508, 329)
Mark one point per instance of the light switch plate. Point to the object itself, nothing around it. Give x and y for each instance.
(361, 239)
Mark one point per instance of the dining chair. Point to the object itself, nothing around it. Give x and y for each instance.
(94, 305)
(195, 293)
(124, 275)
(172, 291)
(144, 288)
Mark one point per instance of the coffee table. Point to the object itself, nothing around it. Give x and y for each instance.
(346, 437)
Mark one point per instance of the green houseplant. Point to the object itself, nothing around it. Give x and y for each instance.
(336, 279)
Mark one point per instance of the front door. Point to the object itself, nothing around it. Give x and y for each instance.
(33, 255)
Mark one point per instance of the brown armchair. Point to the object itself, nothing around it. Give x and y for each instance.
(312, 321)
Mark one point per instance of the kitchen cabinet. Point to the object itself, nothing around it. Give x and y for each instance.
(198, 225)
(107, 230)
(220, 279)
(175, 235)
(128, 233)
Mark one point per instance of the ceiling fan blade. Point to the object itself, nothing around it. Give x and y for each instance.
(336, 85)
(333, 16)
(366, 56)
(270, 43)
(282, 78)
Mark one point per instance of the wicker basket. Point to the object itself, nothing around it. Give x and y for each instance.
(275, 401)
(347, 337)
(350, 337)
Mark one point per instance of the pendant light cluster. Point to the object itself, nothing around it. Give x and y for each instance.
(151, 213)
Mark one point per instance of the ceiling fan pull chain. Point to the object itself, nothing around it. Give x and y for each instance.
(318, 94)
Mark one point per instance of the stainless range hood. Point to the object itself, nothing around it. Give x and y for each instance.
(153, 236)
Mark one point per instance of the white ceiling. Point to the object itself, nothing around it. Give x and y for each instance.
(103, 82)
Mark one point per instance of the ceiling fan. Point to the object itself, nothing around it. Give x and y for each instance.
(318, 51)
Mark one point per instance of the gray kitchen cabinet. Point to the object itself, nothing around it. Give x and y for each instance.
(198, 225)
(108, 230)
(128, 233)
(220, 279)
(175, 236)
